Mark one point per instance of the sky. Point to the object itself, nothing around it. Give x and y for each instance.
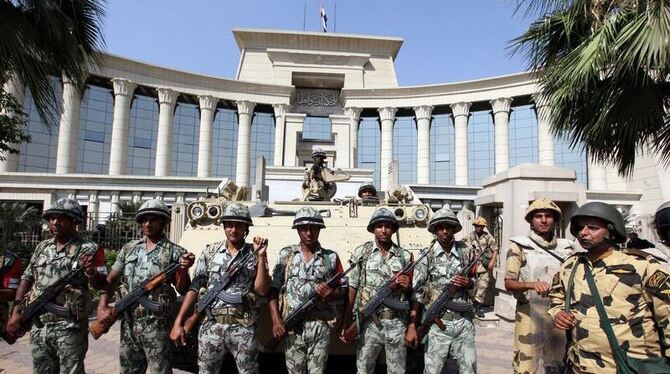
(444, 40)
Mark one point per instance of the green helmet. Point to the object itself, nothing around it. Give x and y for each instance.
(318, 152)
(236, 212)
(446, 216)
(602, 211)
(367, 187)
(382, 215)
(308, 216)
(65, 207)
(155, 207)
(662, 221)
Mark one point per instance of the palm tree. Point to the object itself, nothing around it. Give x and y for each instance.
(18, 223)
(603, 68)
(45, 38)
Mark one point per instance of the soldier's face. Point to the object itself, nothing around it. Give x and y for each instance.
(479, 229)
(235, 231)
(309, 234)
(542, 222)
(61, 225)
(319, 160)
(591, 232)
(444, 233)
(367, 194)
(383, 232)
(152, 225)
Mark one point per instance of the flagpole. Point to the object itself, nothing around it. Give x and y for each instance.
(304, 16)
(335, 17)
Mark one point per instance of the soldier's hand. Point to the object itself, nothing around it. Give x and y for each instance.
(541, 287)
(177, 334)
(324, 290)
(261, 245)
(492, 265)
(186, 260)
(403, 281)
(86, 262)
(564, 320)
(460, 281)
(411, 336)
(278, 329)
(14, 328)
(103, 313)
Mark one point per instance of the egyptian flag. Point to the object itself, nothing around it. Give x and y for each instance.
(324, 19)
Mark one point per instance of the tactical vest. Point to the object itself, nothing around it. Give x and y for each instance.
(288, 267)
(363, 296)
(431, 290)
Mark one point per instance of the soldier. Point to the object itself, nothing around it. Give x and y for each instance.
(482, 241)
(300, 270)
(447, 257)
(61, 343)
(530, 266)
(367, 195)
(632, 293)
(234, 325)
(662, 224)
(378, 261)
(314, 186)
(10, 275)
(145, 341)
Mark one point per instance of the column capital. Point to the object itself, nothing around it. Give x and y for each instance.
(123, 87)
(460, 109)
(245, 107)
(208, 102)
(501, 104)
(387, 113)
(281, 109)
(167, 96)
(423, 112)
(93, 197)
(353, 113)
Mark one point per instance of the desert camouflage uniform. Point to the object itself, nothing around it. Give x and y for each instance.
(367, 279)
(61, 344)
(636, 292)
(306, 348)
(528, 262)
(10, 274)
(486, 243)
(145, 336)
(233, 328)
(431, 275)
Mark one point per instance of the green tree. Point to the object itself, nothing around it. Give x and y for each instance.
(18, 223)
(12, 124)
(603, 68)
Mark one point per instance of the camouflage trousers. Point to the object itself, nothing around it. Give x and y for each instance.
(536, 342)
(215, 339)
(484, 278)
(371, 341)
(457, 341)
(145, 343)
(59, 347)
(307, 349)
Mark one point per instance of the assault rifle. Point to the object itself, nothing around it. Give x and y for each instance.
(382, 298)
(218, 292)
(136, 296)
(297, 315)
(43, 303)
(445, 300)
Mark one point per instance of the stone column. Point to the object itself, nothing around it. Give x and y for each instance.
(423, 118)
(293, 123)
(207, 110)
(114, 206)
(597, 175)
(387, 118)
(245, 111)
(93, 208)
(501, 109)
(68, 129)
(545, 140)
(10, 161)
(461, 112)
(118, 153)
(354, 115)
(280, 130)
(166, 99)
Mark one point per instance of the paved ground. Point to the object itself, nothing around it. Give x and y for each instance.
(494, 352)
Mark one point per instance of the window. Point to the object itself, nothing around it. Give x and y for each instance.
(442, 150)
(480, 147)
(369, 145)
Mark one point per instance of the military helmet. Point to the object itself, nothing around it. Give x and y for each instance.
(382, 215)
(445, 216)
(236, 212)
(480, 221)
(318, 152)
(604, 212)
(662, 220)
(367, 187)
(156, 207)
(543, 204)
(65, 207)
(308, 216)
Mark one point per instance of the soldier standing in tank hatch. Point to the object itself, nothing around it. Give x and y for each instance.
(481, 241)
(662, 225)
(530, 266)
(145, 341)
(61, 343)
(629, 287)
(233, 326)
(446, 259)
(300, 270)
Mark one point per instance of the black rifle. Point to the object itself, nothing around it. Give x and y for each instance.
(297, 315)
(383, 298)
(136, 296)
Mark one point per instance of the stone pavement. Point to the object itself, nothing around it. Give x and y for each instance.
(494, 352)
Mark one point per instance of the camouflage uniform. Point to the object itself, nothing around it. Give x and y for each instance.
(431, 275)
(233, 328)
(145, 336)
(10, 274)
(367, 279)
(307, 348)
(635, 291)
(487, 244)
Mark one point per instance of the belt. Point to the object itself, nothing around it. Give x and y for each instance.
(50, 317)
(389, 314)
(452, 316)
